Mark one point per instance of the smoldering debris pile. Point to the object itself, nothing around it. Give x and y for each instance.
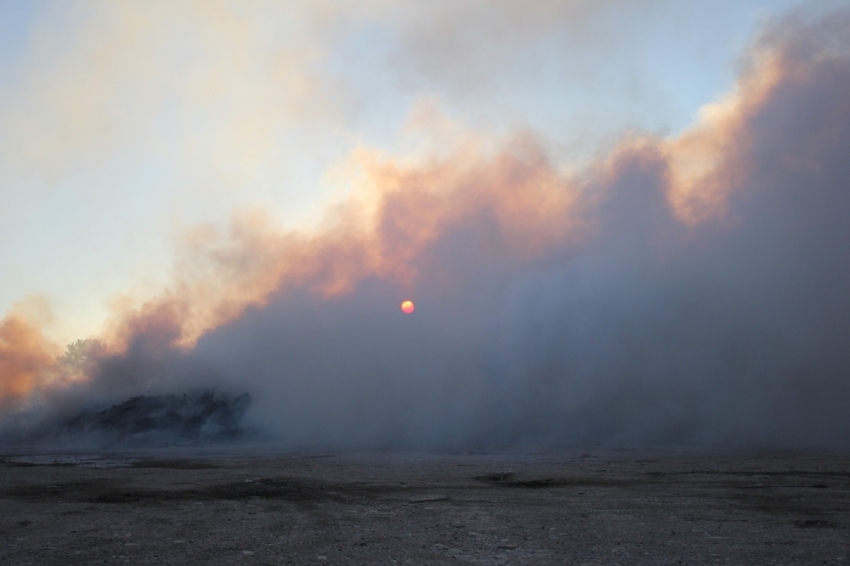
(160, 420)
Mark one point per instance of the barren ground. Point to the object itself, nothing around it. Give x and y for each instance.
(554, 507)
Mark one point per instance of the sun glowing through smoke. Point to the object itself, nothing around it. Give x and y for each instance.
(407, 307)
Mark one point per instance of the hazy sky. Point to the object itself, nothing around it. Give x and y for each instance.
(124, 126)
(621, 222)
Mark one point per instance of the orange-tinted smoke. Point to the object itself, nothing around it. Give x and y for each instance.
(399, 208)
(708, 162)
(27, 359)
(381, 232)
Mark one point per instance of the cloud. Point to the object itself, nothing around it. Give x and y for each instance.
(688, 290)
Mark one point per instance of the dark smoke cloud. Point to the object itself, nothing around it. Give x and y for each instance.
(550, 310)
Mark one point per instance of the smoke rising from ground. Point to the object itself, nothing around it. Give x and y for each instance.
(694, 290)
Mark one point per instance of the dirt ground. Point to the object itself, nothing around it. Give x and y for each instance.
(554, 507)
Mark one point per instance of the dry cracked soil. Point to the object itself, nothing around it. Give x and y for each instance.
(555, 507)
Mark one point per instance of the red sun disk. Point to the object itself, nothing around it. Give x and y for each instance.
(407, 307)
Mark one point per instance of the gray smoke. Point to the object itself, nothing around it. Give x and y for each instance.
(731, 332)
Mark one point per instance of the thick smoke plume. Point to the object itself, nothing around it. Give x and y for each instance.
(693, 290)
(25, 356)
